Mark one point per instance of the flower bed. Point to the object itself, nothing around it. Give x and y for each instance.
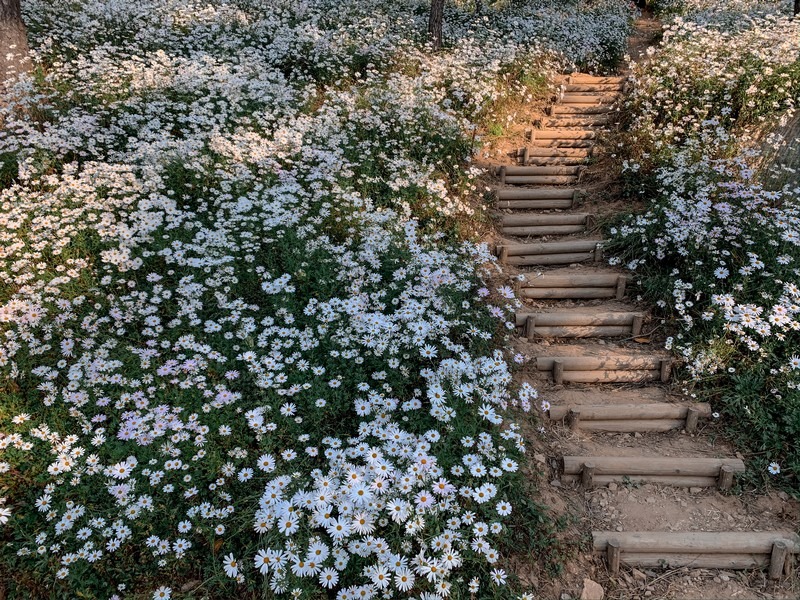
(235, 353)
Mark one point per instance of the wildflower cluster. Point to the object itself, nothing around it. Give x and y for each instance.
(719, 246)
(232, 349)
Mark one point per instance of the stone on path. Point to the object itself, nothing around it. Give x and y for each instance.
(592, 590)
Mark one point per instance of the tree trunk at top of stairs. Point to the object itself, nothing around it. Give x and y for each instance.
(796, 7)
(434, 23)
(14, 56)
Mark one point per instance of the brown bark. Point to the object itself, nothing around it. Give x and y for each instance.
(435, 23)
(14, 56)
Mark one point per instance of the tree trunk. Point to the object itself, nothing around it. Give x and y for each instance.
(434, 23)
(14, 57)
(796, 7)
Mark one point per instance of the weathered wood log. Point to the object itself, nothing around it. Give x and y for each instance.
(622, 282)
(552, 247)
(564, 134)
(577, 293)
(609, 412)
(632, 426)
(574, 319)
(541, 179)
(651, 465)
(562, 143)
(575, 78)
(722, 542)
(555, 161)
(587, 475)
(541, 194)
(573, 152)
(572, 280)
(551, 259)
(542, 230)
(593, 363)
(578, 121)
(665, 370)
(636, 325)
(603, 98)
(580, 109)
(558, 372)
(540, 219)
(583, 88)
(581, 331)
(778, 558)
(696, 561)
(533, 170)
(620, 376)
(693, 417)
(613, 556)
(668, 480)
(546, 203)
(574, 419)
(725, 479)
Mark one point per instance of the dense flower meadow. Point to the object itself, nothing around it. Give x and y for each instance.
(718, 237)
(235, 354)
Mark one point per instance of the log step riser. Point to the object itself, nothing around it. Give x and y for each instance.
(550, 259)
(528, 219)
(562, 143)
(541, 179)
(534, 170)
(576, 109)
(544, 230)
(564, 134)
(774, 550)
(552, 152)
(536, 204)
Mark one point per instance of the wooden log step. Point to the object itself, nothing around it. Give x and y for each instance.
(540, 219)
(605, 376)
(536, 170)
(700, 542)
(573, 98)
(566, 258)
(540, 194)
(579, 109)
(577, 331)
(666, 480)
(543, 230)
(574, 280)
(740, 562)
(577, 319)
(648, 465)
(564, 134)
(550, 247)
(597, 363)
(623, 412)
(574, 285)
(546, 203)
(593, 87)
(571, 293)
(574, 324)
(548, 151)
(596, 79)
(540, 179)
(555, 161)
(562, 143)
(634, 426)
(575, 121)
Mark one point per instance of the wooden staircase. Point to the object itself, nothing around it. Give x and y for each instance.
(585, 334)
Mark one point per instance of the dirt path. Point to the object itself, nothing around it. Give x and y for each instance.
(625, 457)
